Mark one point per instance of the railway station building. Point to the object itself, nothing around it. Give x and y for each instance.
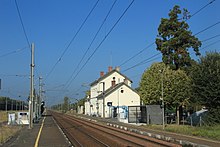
(110, 95)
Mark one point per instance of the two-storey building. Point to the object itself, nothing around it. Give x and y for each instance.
(109, 93)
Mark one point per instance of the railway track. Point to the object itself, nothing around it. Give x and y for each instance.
(86, 133)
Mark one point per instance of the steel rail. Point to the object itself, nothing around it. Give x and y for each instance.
(143, 138)
(73, 140)
(70, 122)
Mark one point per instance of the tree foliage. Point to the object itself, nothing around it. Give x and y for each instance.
(206, 81)
(150, 84)
(175, 86)
(65, 104)
(174, 39)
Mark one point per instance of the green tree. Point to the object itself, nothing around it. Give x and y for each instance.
(175, 86)
(65, 104)
(206, 84)
(174, 39)
(194, 104)
(150, 84)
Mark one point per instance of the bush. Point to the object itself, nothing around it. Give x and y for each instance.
(212, 117)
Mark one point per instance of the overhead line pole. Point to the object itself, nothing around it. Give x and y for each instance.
(40, 96)
(31, 89)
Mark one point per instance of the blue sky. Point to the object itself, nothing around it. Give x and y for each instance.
(51, 25)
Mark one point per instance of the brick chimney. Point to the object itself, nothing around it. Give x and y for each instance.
(109, 68)
(102, 73)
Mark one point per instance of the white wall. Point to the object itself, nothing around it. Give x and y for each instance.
(127, 98)
(118, 79)
(93, 102)
(97, 89)
(87, 108)
(80, 109)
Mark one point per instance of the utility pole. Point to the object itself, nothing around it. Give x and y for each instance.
(163, 103)
(163, 121)
(31, 89)
(40, 96)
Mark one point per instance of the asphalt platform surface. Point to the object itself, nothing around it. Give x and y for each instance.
(50, 135)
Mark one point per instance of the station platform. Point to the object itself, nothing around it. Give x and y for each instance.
(43, 134)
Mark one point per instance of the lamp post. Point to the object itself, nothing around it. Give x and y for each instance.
(162, 97)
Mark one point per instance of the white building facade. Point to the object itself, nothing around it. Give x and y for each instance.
(109, 94)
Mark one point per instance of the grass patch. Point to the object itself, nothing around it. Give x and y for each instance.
(6, 131)
(210, 132)
(3, 116)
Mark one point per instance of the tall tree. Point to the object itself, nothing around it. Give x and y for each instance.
(206, 84)
(174, 39)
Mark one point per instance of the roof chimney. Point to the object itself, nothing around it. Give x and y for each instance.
(126, 81)
(102, 73)
(109, 68)
(117, 68)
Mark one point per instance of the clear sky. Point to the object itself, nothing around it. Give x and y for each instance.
(52, 24)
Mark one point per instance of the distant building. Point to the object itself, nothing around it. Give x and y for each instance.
(112, 89)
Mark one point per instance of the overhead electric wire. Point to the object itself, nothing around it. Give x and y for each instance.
(143, 62)
(209, 27)
(17, 75)
(106, 36)
(146, 60)
(202, 8)
(13, 52)
(22, 23)
(153, 42)
(99, 29)
(73, 38)
(211, 38)
(136, 54)
(210, 44)
(76, 91)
